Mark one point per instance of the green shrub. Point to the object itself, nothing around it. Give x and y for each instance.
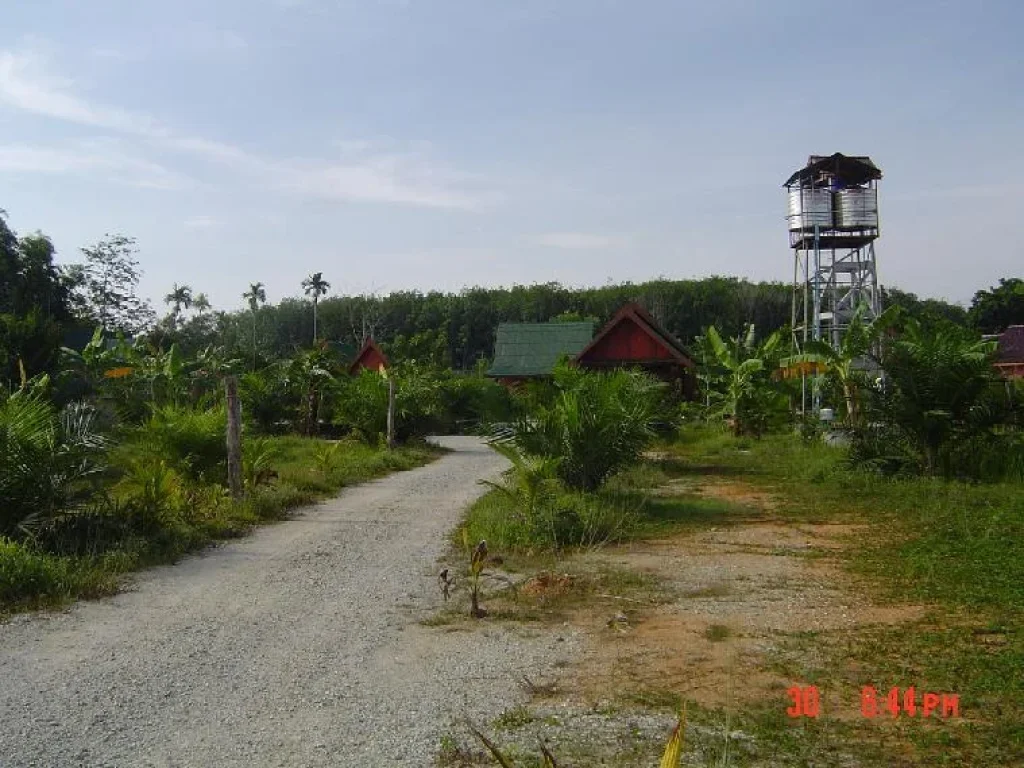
(265, 400)
(49, 461)
(470, 402)
(192, 441)
(361, 403)
(943, 410)
(597, 424)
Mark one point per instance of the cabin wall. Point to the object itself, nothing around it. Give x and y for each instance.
(627, 342)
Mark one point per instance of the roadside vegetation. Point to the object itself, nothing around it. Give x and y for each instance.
(923, 463)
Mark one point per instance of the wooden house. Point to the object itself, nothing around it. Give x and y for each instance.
(370, 357)
(1010, 352)
(633, 338)
(524, 351)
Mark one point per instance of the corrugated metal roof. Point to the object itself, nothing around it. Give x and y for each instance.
(532, 349)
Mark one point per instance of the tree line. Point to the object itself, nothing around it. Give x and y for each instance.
(44, 306)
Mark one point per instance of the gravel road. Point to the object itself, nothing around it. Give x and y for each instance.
(297, 646)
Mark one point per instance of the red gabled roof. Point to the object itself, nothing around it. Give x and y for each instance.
(370, 356)
(646, 323)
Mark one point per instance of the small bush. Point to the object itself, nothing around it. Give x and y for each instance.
(597, 424)
(193, 440)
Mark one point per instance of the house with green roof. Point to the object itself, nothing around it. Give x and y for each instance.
(530, 350)
(633, 338)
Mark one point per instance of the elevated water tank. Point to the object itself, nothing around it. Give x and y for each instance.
(810, 207)
(856, 208)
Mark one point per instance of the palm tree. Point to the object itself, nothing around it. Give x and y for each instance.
(180, 296)
(935, 390)
(315, 286)
(201, 303)
(256, 295)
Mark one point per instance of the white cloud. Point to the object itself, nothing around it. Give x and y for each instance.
(577, 241)
(26, 85)
(105, 159)
(364, 172)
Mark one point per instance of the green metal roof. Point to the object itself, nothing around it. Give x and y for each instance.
(532, 349)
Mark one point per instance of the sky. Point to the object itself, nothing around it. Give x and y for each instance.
(441, 144)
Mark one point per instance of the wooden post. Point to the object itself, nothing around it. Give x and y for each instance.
(234, 438)
(391, 413)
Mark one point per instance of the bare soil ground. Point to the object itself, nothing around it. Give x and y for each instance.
(727, 601)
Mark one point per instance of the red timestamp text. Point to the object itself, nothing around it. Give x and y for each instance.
(906, 702)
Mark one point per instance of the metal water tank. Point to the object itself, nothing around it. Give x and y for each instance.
(856, 208)
(810, 207)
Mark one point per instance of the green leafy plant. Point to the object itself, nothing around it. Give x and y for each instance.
(258, 456)
(530, 482)
(191, 440)
(737, 376)
(596, 424)
(327, 457)
(940, 394)
(153, 488)
(845, 363)
(49, 461)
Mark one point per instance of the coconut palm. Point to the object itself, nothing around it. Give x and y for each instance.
(315, 286)
(180, 296)
(201, 303)
(256, 295)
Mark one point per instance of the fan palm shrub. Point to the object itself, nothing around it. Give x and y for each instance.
(596, 424)
(942, 409)
(50, 461)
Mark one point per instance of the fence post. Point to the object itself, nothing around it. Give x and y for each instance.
(234, 437)
(391, 414)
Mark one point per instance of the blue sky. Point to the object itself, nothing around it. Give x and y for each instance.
(443, 143)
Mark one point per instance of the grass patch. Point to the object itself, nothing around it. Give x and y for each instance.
(625, 509)
(513, 719)
(954, 546)
(716, 633)
(31, 578)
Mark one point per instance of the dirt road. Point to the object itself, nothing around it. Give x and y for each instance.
(297, 646)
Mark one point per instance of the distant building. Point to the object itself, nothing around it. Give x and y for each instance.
(524, 351)
(631, 339)
(370, 357)
(1010, 352)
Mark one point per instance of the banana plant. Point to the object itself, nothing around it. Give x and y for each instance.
(736, 377)
(841, 361)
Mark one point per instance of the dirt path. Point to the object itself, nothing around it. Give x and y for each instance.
(297, 646)
(738, 589)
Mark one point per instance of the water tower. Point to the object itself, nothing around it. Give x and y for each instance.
(833, 225)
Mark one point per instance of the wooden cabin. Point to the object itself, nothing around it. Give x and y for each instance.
(370, 357)
(524, 351)
(1010, 352)
(633, 338)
